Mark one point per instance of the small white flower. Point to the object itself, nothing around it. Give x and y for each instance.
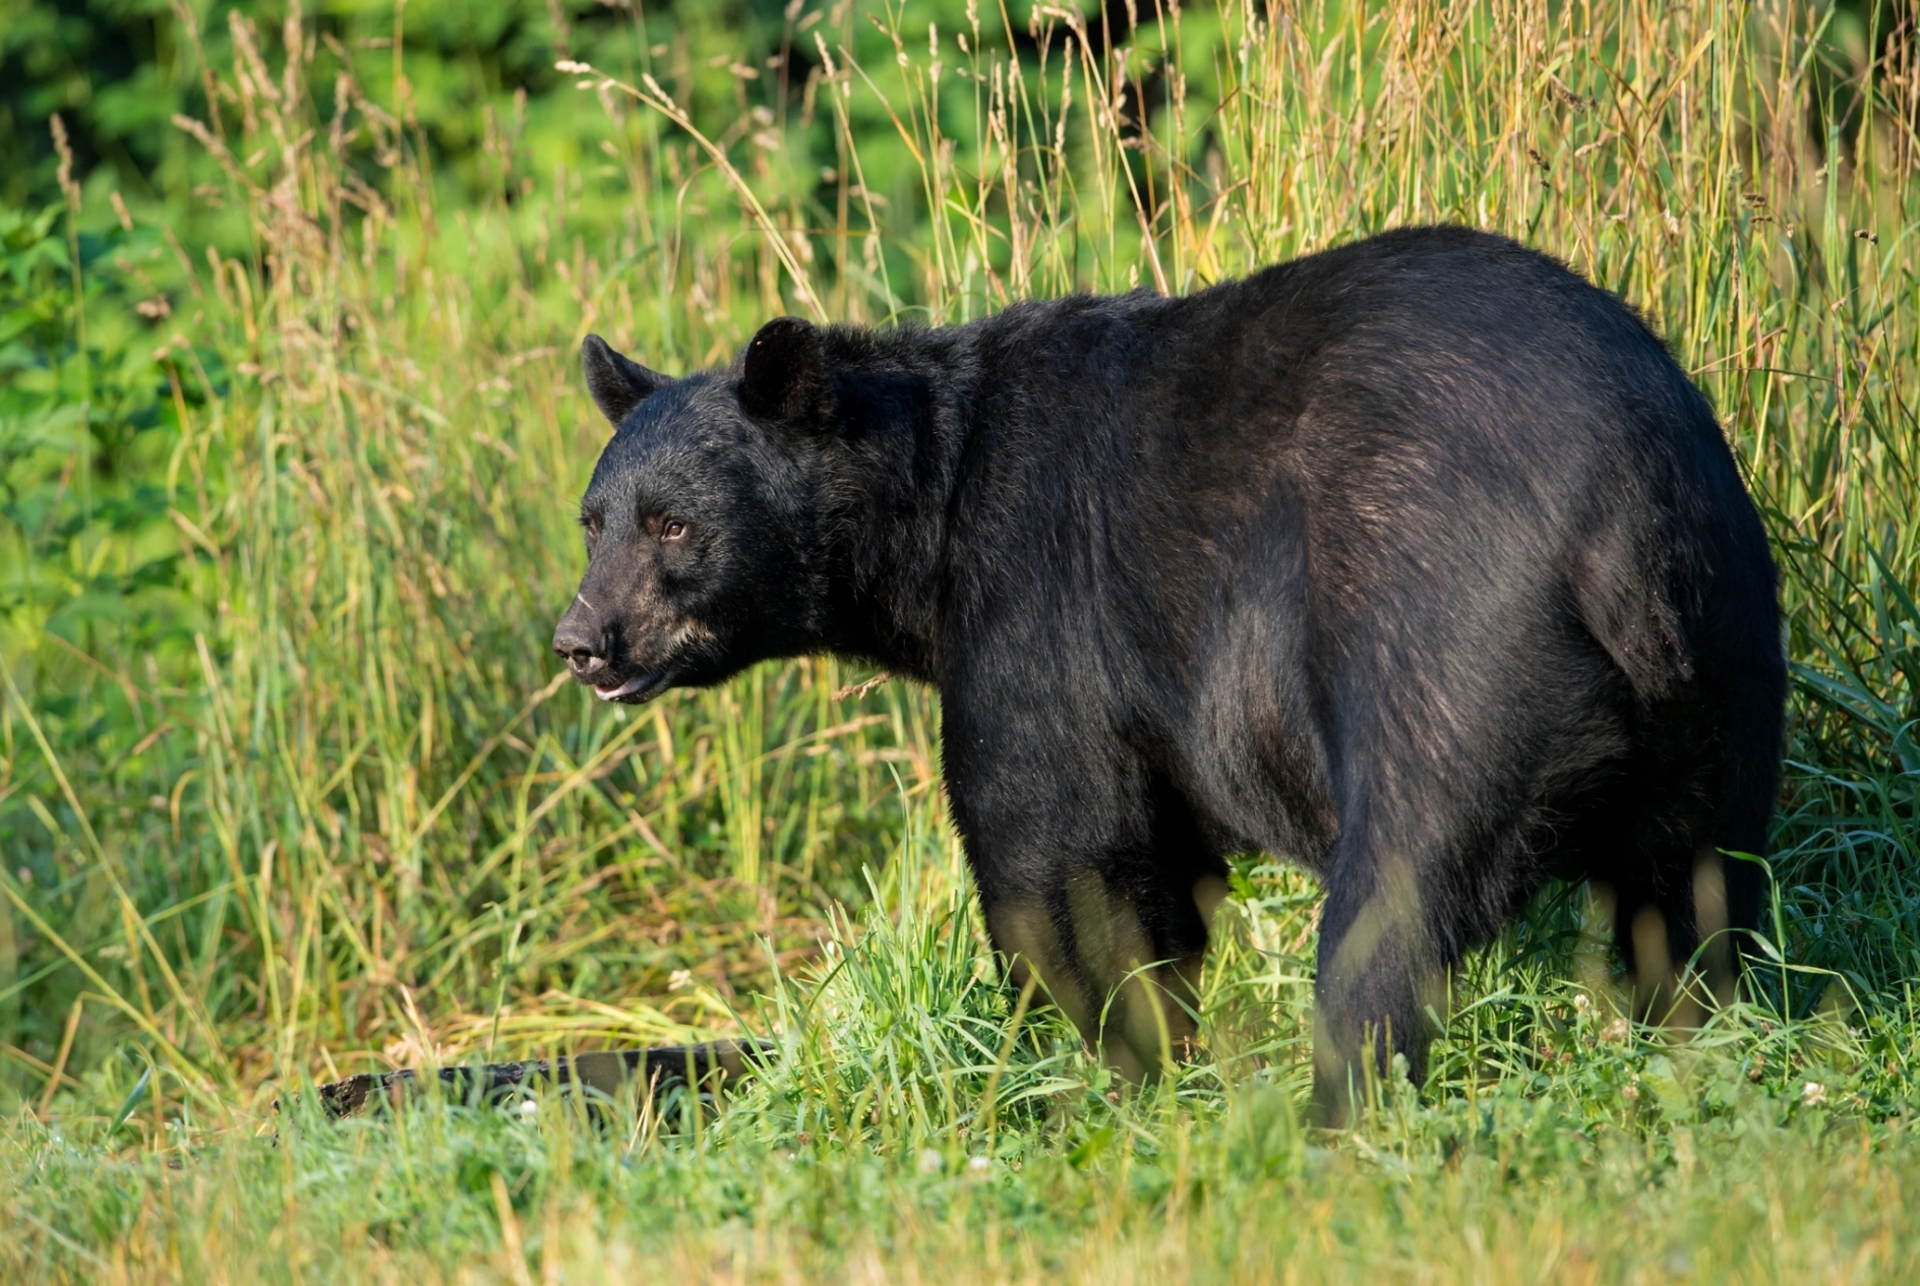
(679, 980)
(930, 1161)
(977, 1167)
(1630, 1093)
(1580, 1002)
(1813, 1094)
(528, 1107)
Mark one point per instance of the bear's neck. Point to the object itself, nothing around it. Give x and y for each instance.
(905, 400)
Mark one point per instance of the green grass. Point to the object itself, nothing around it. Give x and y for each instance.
(289, 789)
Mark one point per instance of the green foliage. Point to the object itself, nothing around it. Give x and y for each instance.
(290, 433)
(119, 70)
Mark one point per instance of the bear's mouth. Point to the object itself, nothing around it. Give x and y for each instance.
(635, 690)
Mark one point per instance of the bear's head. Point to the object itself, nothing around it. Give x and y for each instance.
(702, 521)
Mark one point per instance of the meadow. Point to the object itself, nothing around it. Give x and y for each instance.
(291, 434)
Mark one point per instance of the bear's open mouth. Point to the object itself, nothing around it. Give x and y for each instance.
(634, 690)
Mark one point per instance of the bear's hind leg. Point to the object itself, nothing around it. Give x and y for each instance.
(1654, 933)
(1381, 980)
(1683, 932)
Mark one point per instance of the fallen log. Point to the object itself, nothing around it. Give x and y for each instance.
(708, 1067)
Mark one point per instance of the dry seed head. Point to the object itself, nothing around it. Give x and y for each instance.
(68, 188)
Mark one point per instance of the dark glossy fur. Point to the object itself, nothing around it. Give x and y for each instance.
(1419, 561)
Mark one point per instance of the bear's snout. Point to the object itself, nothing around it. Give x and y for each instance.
(581, 642)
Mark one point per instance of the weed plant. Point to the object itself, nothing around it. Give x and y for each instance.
(290, 787)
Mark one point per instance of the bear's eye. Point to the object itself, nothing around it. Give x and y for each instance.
(672, 529)
(593, 528)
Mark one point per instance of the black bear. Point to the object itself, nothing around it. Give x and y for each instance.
(1419, 561)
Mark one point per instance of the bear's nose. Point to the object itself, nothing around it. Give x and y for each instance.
(580, 645)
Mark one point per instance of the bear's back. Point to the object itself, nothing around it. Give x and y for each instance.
(1404, 455)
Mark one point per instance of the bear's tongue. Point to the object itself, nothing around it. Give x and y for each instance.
(625, 689)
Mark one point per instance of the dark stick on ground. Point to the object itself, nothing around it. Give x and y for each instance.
(710, 1066)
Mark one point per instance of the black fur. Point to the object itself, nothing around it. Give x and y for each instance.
(1419, 561)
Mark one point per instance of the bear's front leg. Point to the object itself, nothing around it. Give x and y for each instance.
(1094, 889)
(1104, 951)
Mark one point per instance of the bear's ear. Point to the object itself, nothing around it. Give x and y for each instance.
(784, 376)
(617, 384)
